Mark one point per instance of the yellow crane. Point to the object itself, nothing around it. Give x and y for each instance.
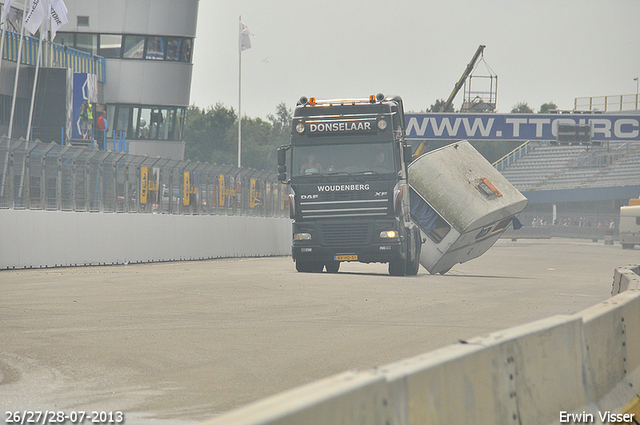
(479, 52)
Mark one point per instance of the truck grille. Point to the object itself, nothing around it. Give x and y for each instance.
(345, 234)
(345, 208)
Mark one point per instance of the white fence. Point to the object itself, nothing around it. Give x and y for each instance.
(32, 238)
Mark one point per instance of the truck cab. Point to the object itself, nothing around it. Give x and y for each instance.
(346, 170)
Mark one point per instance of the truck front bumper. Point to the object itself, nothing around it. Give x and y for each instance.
(375, 253)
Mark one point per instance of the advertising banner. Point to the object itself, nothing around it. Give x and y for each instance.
(514, 127)
(144, 184)
(85, 97)
(186, 197)
(222, 190)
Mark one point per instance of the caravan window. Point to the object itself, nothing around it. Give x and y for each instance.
(427, 218)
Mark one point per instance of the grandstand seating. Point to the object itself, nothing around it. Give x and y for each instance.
(548, 166)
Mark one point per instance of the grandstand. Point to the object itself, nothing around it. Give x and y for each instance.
(547, 166)
(582, 185)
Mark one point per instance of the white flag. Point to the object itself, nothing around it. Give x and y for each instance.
(58, 16)
(244, 42)
(35, 16)
(5, 10)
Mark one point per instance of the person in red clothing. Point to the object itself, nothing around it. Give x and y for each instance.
(103, 127)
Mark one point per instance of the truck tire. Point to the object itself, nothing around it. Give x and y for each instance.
(414, 266)
(309, 266)
(398, 267)
(303, 266)
(332, 267)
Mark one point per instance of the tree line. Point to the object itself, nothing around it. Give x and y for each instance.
(211, 135)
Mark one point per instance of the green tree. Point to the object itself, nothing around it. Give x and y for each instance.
(438, 105)
(208, 134)
(281, 123)
(258, 151)
(211, 135)
(546, 107)
(522, 108)
(262, 138)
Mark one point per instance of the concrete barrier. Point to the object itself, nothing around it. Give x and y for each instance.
(346, 398)
(625, 278)
(524, 375)
(31, 238)
(583, 367)
(612, 342)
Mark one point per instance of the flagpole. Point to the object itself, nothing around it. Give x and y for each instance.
(6, 9)
(3, 35)
(15, 84)
(239, 103)
(35, 78)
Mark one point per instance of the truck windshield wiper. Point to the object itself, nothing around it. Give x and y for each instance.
(369, 172)
(337, 173)
(345, 173)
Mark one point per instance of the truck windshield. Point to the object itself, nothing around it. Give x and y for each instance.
(343, 158)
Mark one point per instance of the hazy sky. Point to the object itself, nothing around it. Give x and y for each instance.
(541, 50)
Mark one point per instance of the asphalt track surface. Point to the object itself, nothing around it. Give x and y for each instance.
(186, 341)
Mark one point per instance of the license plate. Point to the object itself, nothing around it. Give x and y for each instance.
(346, 258)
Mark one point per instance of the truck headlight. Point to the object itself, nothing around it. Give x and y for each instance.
(302, 236)
(388, 234)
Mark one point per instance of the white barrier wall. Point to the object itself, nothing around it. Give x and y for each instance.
(586, 364)
(30, 238)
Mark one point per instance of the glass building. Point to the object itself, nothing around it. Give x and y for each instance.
(148, 50)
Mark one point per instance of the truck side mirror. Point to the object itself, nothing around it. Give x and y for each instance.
(282, 161)
(282, 156)
(408, 154)
(282, 173)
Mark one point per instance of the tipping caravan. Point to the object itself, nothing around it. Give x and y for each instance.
(461, 204)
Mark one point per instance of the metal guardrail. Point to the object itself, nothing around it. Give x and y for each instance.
(512, 156)
(41, 176)
(61, 57)
(614, 103)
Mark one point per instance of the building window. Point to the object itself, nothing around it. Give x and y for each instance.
(110, 46)
(65, 39)
(133, 47)
(173, 48)
(149, 122)
(118, 46)
(83, 21)
(87, 43)
(155, 48)
(185, 51)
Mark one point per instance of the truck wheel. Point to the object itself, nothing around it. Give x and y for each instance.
(397, 267)
(332, 267)
(309, 266)
(414, 266)
(304, 266)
